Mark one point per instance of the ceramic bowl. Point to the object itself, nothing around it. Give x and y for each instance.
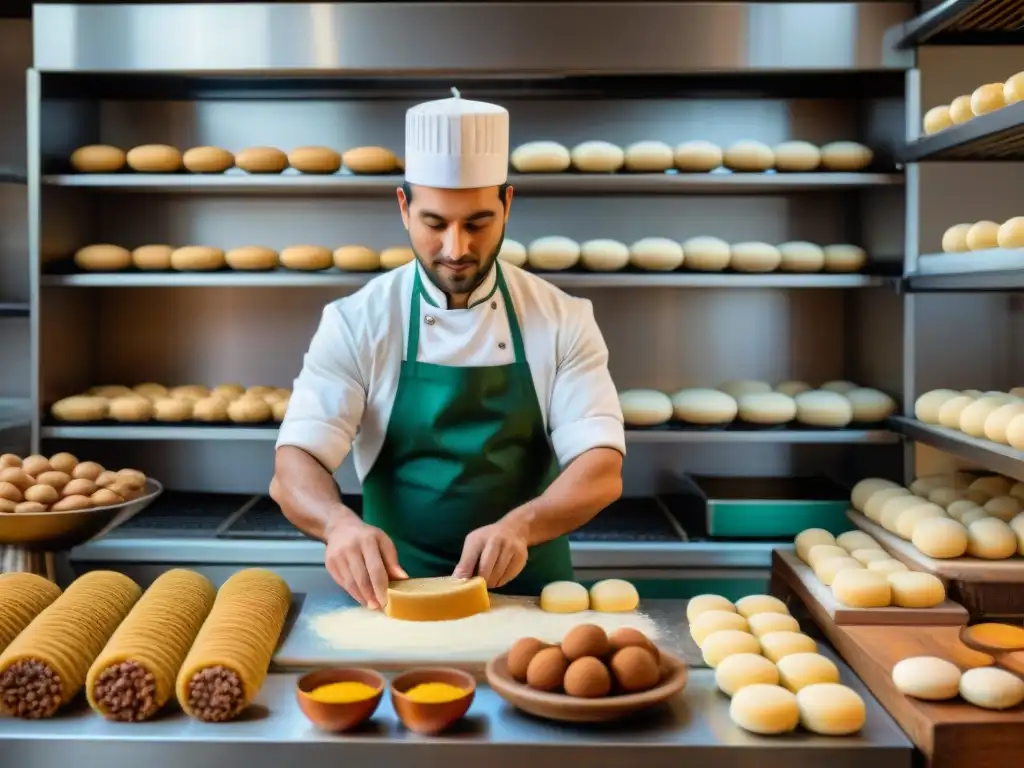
(341, 716)
(430, 719)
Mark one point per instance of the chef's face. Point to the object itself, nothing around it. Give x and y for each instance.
(456, 233)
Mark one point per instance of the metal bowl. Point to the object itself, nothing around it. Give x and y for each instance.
(59, 531)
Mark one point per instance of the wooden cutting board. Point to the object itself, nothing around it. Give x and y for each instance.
(799, 577)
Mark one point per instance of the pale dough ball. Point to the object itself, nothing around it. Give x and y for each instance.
(949, 413)
(748, 156)
(1004, 508)
(927, 406)
(991, 688)
(1013, 89)
(839, 385)
(846, 156)
(766, 408)
(812, 537)
(778, 645)
(357, 258)
(799, 670)
(152, 257)
(396, 256)
(844, 258)
(831, 709)
(828, 569)
(564, 597)
(971, 516)
(893, 508)
(819, 553)
(923, 486)
(1011, 233)
(208, 160)
(960, 110)
(154, 158)
(946, 496)
(1017, 392)
(1017, 526)
(739, 387)
(927, 677)
(763, 623)
(751, 605)
(251, 257)
(740, 670)
(861, 588)
(937, 119)
(793, 388)
(645, 407)
(512, 252)
(906, 522)
(657, 254)
(797, 156)
(869, 555)
(603, 255)
(704, 406)
(315, 160)
(987, 98)
(957, 509)
(870, 405)
(261, 160)
(709, 622)
(913, 589)
(698, 604)
(993, 485)
(97, 158)
(540, 157)
(755, 257)
(887, 566)
(862, 490)
(613, 596)
(1017, 491)
(973, 417)
(197, 258)
(725, 643)
(553, 252)
(706, 254)
(698, 156)
(982, 236)
(649, 157)
(370, 160)
(309, 258)
(991, 539)
(823, 409)
(597, 157)
(954, 239)
(876, 502)
(765, 709)
(103, 258)
(800, 256)
(852, 541)
(940, 537)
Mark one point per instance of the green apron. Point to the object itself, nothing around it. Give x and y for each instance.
(464, 446)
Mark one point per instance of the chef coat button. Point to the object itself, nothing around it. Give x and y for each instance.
(501, 345)
(429, 320)
(494, 305)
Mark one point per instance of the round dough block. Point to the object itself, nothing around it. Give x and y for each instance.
(927, 677)
(564, 597)
(861, 589)
(971, 516)
(828, 569)
(541, 157)
(990, 539)
(801, 256)
(982, 236)
(767, 408)
(130, 409)
(927, 406)
(869, 555)
(308, 258)
(103, 258)
(657, 254)
(812, 537)
(707, 407)
(778, 645)
(738, 671)
(208, 160)
(797, 156)
(597, 157)
(907, 521)
(261, 160)
(993, 485)
(949, 413)
(251, 257)
(154, 158)
(739, 387)
(940, 538)
(755, 257)
(799, 670)
(748, 156)
(80, 408)
(957, 509)
(356, 258)
(645, 407)
(991, 688)
(823, 409)
(725, 643)
(960, 110)
(751, 605)
(152, 257)
(97, 158)
(894, 507)
(1013, 89)
(393, 258)
(706, 254)
(937, 119)
(315, 160)
(954, 239)
(765, 709)
(819, 553)
(913, 589)
(974, 416)
(862, 491)
(512, 252)
(887, 566)
(876, 502)
(553, 252)
(831, 709)
(710, 622)
(649, 157)
(698, 156)
(698, 604)
(763, 623)
(1011, 233)
(197, 258)
(793, 388)
(847, 156)
(987, 98)
(370, 160)
(613, 596)
(853, 541)
(1004, 508)
(870, 406)
(844, 258)
(603, 255)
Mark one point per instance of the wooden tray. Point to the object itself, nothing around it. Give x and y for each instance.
(802, 581)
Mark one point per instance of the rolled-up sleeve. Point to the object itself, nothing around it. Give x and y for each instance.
(584, 411)
(329, 395)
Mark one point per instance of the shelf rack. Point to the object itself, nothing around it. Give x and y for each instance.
(998, 270)
(984, 453)
(997, 135)
(963, 22)
(14, 308)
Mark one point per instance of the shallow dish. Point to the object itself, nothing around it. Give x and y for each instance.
(338, 716)
(571, 709)
(431, 718)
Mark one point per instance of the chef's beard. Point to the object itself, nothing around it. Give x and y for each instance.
(456, 284)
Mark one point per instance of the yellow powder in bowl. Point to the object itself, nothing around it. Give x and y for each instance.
(342, 693)
(435, 693)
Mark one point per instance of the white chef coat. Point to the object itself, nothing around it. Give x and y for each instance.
(342, 398)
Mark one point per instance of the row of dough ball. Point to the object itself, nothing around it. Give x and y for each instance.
(986, 98)
(774, 674)
(62, 483)
(662, 254)
(689, 157)
(994, 416)
(756, 405)
(984, 520)
(104, 257)
(863, 575)
(931, 678)
(189, 402)
(161, 158)
(984, 235)
(605, 596)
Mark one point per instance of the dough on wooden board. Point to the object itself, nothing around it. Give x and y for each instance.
(797, 156)
(1011, 233)
(98, 158)
(698, 604)
(357, 258)
(954, 239)
(870, 405)
(987, 98)
(709, 622)
(973, 417)
(748, 156)
(799, 670)
(763, 623)
(831, 709)
(541, 157)
(819, 553)
(251, 257)
(657, 254)
(604, 255)
(766, 408)
(706, 254)
(793, 388)
(913, 589)
(103, 257)
(812, 537)
(739, 387)
(597, 157)
(887, 566)
(727, 642)
(315, 160)
(937, 119)
(861, 589)
(564, 597)
(940, 537)
(844, 258)
(197, 258)
(869, 555)
(991, 688)
(982, 236)
(801, 256)
(876, 502)
(649, 157)
(847, 156)
(370, 160)
(863, 489)
(990, 539)
(309, 258)
(208, 160)
(949, 413)
(1004, 508)
(927, 677)
(971, 516)
(261, 160)
(698, 156)
(738, 671)
(553, 252)
(755, 257)
(957, 509)
(907, 521)
(828, 569)
(152, 257)
(706, 407)
(853, 541)
(820, 408)
(768, 710)
(928, 405)
(751, 605)
(613, 596)
(645, 407)
(960, 110)
(778, 645)
(512, 252)
(896, 506)
(154, 158)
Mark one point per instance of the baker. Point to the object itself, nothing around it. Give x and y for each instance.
(474, 396)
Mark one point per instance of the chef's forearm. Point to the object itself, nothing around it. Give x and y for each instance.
(585, 487)
(307, 493)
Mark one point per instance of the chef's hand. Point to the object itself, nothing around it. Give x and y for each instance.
(496, 552)
(362, 559)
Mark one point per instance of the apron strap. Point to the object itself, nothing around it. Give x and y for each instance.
(513, 320)
(413, 345)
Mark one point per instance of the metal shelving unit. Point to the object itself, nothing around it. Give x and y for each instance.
(983, 453)
(962, 22)
(997, 135)
(995, 270)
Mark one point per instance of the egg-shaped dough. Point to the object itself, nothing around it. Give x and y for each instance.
(210, 409)
(993, 485)
(957, 509)
(315, 160)
(844, 258)
(831, 709)
(864, 488)
(251, 258)
(261, 160)
(656, 254)
(778, 645)
(991, 539)
(946, 496)
(1011, 233)
(1003, 508)
(960, 110)
(103, 258)
(613, 596)
(819, 408)
(940, 537)
(748, 156)
(132, 408)
(603, 255)
(649, 157)
(793, 388)
(838, 385)
(799, 670)
(846, 156)
(949, 413)
(751, 605)
(172, 409)
(894, 507)
(699, 604)
(197, 258)
(396, 256)
(983, 236)
(208, 160)
(512, 252)
(768, 710)
(936, 119)
(954, 239)
(308, 258)
(907, 521)
(857, 588)
(763, 623)
(710, 622)
(98, 158)
(154, 158)
(828, 569)
(928, 405)
(725, 643)
(928, 678)
(766, 408)
(553, 253)
(1013, 89)
(564, 597)
(370, 160)
(755, 257)
(797, 156)
(151, 258)
(739, 387)
(645, 407)
(541, 157)
(706, 254)
(812, 537)
(887, 566)
(869, 555)
(705, 407)
(597, 157)
(249, 410)
(801, 256)
(870, 406)
(913, 589)
(991, 688)
(736, 672)
(819, 553)
(876, 502)
(987, 98)
(356, 258)
(698, 156)
(971, 516)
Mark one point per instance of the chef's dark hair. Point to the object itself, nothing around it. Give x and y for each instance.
(502, 192)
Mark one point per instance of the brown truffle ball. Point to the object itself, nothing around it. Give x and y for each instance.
(635, 669)
(588, 678)
(546, 670)
(521, 654)
(626, 637)
(63, 462)
(585, 640)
